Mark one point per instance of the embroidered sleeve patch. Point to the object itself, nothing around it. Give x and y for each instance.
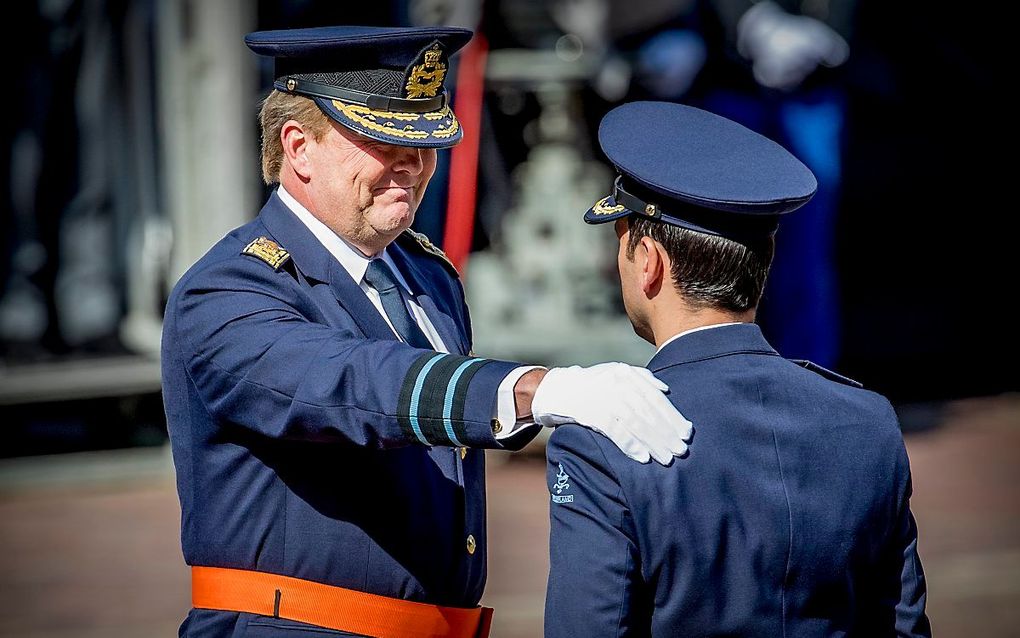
(268, 251)
(562, 485)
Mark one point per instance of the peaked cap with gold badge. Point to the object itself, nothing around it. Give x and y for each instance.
(690, 168)
(386, 83)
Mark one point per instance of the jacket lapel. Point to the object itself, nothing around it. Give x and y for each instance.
(315, 262)
(356, 303)
(308, 254)
(439, 312)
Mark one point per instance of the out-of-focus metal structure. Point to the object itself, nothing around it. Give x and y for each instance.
(543, 292)
(207, 80)
(204, 161)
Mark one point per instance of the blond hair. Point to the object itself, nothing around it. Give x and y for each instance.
(277, 109)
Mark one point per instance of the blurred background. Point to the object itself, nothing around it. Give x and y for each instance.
(132, 146)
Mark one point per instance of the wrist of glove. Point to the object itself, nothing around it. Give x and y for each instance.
(624, 403)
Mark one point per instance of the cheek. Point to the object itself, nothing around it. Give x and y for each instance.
(370, 173)
(349, 187)
(621, 266)
(428, 168)
(621, 258)
(343, 172)
(429, 158)
(362, 169)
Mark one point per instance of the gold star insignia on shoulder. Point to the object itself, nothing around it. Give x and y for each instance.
(268, 251)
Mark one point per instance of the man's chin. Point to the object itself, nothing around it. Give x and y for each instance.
(395, 219)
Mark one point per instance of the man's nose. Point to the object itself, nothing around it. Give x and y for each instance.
(408, 160)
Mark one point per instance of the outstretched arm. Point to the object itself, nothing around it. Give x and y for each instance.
(258, 362)
(235, 338)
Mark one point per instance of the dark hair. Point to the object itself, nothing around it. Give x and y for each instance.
(708, 270)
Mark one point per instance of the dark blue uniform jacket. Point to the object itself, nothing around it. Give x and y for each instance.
(296, 417)
(790, 516)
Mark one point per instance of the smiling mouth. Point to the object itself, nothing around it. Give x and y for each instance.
(396, 192)
(406, 189)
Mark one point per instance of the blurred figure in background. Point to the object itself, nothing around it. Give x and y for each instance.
(791, 513)
(770, 67)
(773, 68)
(81, 179)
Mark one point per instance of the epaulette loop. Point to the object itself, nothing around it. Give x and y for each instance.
(428, 247)
(825, 372)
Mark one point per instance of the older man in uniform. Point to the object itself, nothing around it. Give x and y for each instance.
(790, 515)
(321, 397)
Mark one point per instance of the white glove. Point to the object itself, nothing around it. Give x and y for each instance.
(784, 49)
(623, 402)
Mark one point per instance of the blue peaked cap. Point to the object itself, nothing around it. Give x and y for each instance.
(386, 83)
(684, 166)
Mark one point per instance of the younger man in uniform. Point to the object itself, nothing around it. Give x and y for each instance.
(790, 514)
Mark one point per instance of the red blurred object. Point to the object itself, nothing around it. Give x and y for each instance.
(460, 209)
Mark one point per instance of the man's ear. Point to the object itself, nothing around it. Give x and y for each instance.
(651, 265)
(295, 143)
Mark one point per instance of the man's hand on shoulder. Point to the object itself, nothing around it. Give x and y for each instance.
(627, 404)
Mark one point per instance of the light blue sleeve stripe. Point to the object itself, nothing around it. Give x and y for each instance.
(448, 402)
(416, 396)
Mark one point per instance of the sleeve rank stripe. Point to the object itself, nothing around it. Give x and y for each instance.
(432, 399)
(419, 386)
(407, 391)
(448, 401)
(460, 397)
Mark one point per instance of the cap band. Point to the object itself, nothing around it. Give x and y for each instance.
(634, 204)
(376, 102)
(713, 222)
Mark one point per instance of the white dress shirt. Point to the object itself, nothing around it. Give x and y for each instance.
(356, 263)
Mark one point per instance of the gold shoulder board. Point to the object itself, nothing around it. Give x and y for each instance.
(268, 251)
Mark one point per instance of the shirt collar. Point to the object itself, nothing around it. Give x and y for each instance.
(353, 260)
(698, 329)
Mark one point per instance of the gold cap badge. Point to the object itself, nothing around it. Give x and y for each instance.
(426, 79)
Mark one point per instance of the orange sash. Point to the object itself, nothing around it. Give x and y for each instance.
(332, 607)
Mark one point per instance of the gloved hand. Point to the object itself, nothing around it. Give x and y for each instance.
(623, 402)
(784, 49)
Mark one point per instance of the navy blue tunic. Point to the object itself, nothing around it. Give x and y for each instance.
(789, 517)
(296, 416)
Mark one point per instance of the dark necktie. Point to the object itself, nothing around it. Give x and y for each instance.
(380, 277)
